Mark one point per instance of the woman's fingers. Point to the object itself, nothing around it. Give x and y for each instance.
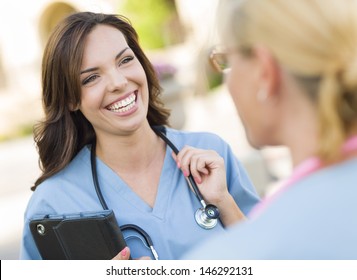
(197, 162)
(123, 254)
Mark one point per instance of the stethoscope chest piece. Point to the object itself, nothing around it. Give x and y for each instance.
(207, 217)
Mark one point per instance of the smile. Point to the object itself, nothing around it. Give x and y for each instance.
(123, 105)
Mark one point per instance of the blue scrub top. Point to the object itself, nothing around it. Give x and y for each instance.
(313, 219)
(170, 223)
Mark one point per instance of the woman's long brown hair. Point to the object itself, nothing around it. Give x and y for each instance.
(64, 132)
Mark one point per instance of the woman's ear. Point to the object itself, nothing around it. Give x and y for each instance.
(269, 74)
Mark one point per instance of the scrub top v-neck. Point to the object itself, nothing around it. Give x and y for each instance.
(112, 180)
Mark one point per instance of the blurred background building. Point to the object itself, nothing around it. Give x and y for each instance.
(176, 35)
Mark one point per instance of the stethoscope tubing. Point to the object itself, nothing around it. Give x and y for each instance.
(205, 221)
(136, 228)
(192, 182)
(200, 215)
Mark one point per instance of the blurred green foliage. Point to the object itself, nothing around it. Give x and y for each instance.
(18, 132)
(214, 79)
(151, 19)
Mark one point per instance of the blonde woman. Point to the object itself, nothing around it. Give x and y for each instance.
(293, 79)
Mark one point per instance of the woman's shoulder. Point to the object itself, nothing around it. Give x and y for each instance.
(342, 174)
(334, 185)
(199, 139)
(80, 164)
(53, 190)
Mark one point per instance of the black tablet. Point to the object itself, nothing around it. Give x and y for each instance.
(79, 236)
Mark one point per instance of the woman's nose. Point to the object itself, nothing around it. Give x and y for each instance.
(117, 80)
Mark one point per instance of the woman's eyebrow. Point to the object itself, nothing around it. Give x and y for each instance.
(96, 68)
(121, 52)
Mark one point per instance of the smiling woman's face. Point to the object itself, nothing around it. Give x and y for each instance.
(114, 89)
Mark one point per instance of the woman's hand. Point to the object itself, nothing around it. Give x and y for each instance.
(125, 255)
(209, 172)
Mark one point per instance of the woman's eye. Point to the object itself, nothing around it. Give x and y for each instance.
(126, 60)
(89, 79)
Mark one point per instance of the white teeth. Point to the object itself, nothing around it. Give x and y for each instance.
(123, 105)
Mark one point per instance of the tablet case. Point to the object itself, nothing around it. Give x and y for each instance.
(80, 236)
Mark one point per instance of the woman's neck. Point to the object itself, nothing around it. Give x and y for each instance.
(301, 151)
(302, 144)
(300, 133)
(134, 150)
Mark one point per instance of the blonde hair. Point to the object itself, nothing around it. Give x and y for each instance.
(316, 40)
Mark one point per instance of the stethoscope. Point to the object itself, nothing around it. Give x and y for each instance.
(206, 216)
